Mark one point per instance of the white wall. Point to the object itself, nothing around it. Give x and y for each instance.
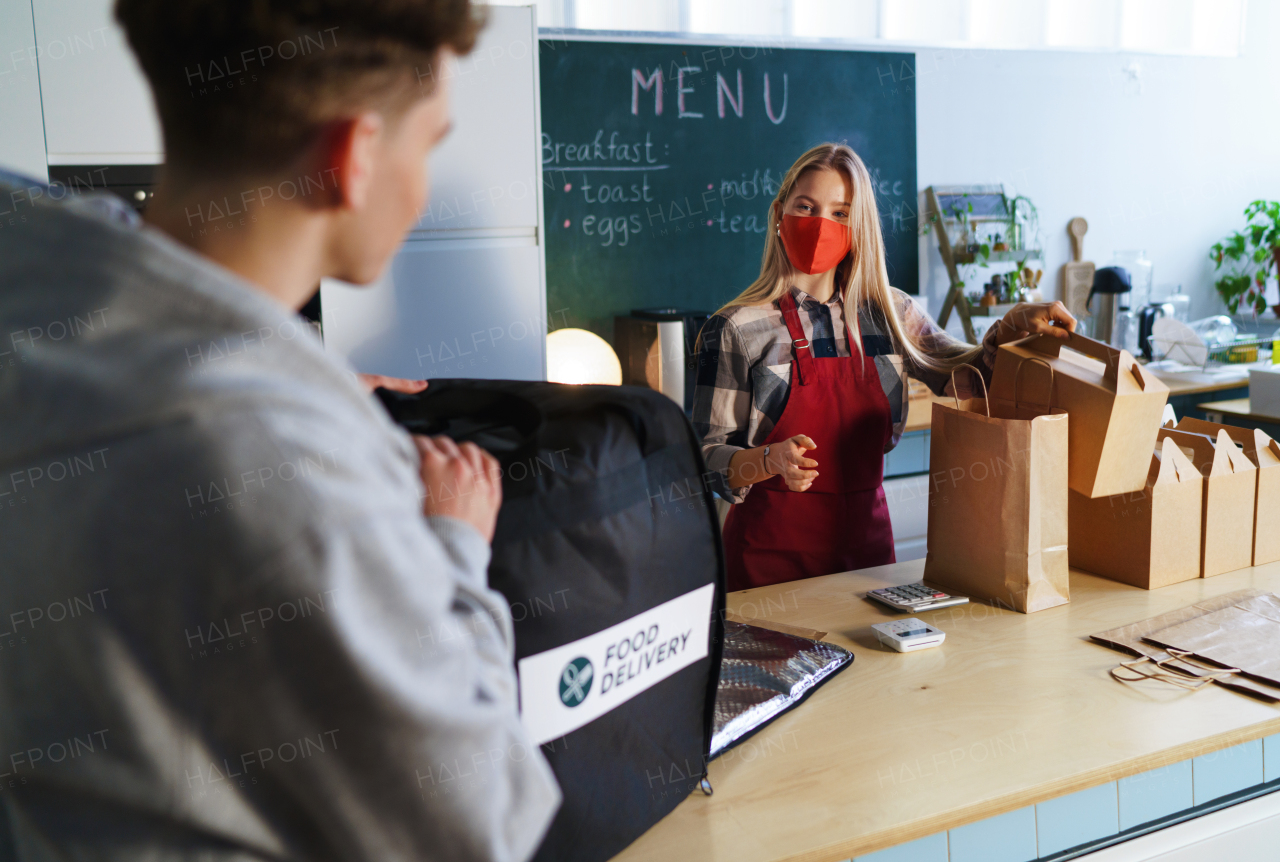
(1165, 163)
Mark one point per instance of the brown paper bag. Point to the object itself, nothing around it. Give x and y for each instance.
(1115, 406)
(1244, 636)
(1226, 534)
(1150, 538)
(1137, 639)
(998, 506)
(1265, 455)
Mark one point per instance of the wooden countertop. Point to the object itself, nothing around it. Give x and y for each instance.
(1238, 408)
(1194, 382)
(920, 412)
(1012, 710)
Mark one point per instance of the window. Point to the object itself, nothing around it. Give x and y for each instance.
(1213, 28)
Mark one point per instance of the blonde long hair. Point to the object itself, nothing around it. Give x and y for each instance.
(861, 276)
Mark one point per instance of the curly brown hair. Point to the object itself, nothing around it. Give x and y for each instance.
(243, 87)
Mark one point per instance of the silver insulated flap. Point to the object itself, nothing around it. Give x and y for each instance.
(764, 673)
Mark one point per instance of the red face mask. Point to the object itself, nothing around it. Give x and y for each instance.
(814, 244)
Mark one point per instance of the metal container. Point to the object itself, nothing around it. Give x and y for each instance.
(657, 347)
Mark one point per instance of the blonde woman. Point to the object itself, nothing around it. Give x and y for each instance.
(802, 379)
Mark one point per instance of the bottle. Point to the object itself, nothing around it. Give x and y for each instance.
(1125, 333)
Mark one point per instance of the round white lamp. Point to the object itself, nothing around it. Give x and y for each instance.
(579, 356)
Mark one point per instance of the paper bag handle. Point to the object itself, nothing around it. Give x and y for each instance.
(1172, 675)
(1051, 345)
(985, 400)
(1017, 375)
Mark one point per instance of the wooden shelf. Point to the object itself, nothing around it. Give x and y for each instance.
(1002, 256)
(998, 310)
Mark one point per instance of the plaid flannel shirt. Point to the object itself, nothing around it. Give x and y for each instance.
(744, 368)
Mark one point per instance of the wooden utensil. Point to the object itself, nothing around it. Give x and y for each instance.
(1077, 227)
(1077, 276)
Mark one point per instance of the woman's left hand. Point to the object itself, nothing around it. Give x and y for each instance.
(1036, 318)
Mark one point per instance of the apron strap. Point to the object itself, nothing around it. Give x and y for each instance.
(800, 344)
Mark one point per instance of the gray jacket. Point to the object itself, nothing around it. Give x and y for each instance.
(226, 629)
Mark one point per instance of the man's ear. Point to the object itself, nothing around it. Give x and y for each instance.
(349, 154)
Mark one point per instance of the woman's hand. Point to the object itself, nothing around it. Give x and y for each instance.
(1035, 318)
(788, 460)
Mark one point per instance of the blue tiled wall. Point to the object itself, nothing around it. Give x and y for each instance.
(1154, 794)
(1227, 771)
(911, 455)
(1069, 821)
(931, 849)
(1007, 837)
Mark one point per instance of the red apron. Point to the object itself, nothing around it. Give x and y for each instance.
(842, 521)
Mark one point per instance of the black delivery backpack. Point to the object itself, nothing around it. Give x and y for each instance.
(608, 551)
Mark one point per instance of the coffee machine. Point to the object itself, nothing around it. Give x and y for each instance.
(657, 346)
(1108, 285)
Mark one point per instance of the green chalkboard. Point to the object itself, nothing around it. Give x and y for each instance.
(660, 160)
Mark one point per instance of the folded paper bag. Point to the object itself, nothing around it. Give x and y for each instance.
(1226, 533)
(1139, 639)
(1150, 538)
(1244, 636)
(1264, 452)
(998, 506)
(1114, 405)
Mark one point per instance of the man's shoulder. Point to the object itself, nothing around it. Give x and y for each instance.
(112, 331)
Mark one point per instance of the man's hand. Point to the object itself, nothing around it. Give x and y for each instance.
(788, 460)
(396, 384)
(1035, 318)
(464, 482)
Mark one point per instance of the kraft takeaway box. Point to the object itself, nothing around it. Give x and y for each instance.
(1265, 455)
(1150, 538)
(998, 506)
(1226, 534)
(1115, 406)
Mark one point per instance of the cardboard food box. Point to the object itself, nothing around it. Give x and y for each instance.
(1150, 538)
(1114, 406)
(1226, 540)
(1264, 452)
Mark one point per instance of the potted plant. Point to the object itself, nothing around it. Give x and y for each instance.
(1020, 229)
(1255, 253)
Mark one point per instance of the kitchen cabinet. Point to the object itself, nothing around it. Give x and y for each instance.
(22, 132)
(466, 294)
(97, 104)
(486, 173)
(462, 308)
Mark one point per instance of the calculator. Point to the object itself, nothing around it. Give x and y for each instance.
(912, 598)
(908, 635)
